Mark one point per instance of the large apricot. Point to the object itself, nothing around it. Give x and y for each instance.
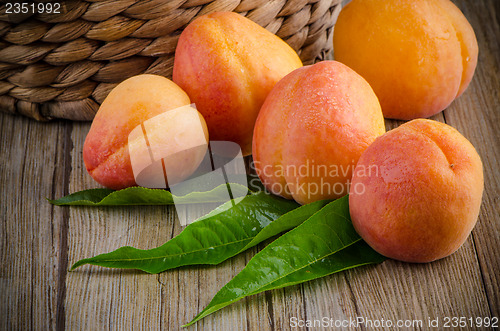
(418, 56)
(128, 105)
(312, 129)
(416, 192)
(227, 64)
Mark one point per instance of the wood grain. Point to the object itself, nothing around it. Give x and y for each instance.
(33, 254)
(476, 114)
(38, 242)
(98, 298)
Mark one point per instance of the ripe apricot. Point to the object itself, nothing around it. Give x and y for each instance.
(312, 129)
(227, 64)
(418, 56)
(416, 192)
(130, 103)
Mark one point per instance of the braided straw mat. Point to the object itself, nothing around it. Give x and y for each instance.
(63, 65)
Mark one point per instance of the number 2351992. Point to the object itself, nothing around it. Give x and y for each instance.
(32, 8)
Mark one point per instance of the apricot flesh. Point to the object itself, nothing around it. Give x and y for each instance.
(312, 129)
(416, 192)
(418, 56)
(130, 103)
(227, 64)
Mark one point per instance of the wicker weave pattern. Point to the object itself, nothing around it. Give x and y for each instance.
(64, 65)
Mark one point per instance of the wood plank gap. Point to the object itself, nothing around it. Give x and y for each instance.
(353, 299)
(160, 319)
(269, 302)
(303, 294)
(247, 310)
(63, 240)
(247, 304)
(62, 270)
(444, 116)
(23, 164)
(481, 269)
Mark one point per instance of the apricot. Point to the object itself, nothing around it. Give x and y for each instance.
(227, 64)
(416, 192)
(313, 127)
(131, 103)
(418, 56)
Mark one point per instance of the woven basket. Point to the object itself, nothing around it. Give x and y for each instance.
(63, 65)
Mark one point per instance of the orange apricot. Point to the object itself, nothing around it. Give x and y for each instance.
(106, 149)
(227, 64)
(418, 56)
(313, 127)
(416, 192)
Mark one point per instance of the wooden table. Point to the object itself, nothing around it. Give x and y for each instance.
(38, 242)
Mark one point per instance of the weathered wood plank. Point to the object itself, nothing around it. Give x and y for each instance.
(476, 114)
(32, 238)
(400, 291)
(98, 298)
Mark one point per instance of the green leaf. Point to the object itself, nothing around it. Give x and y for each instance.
(144, 196)
(286, 222)
(324, 244)
(215, 237)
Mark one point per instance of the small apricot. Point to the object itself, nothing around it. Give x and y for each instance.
(130, 104)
